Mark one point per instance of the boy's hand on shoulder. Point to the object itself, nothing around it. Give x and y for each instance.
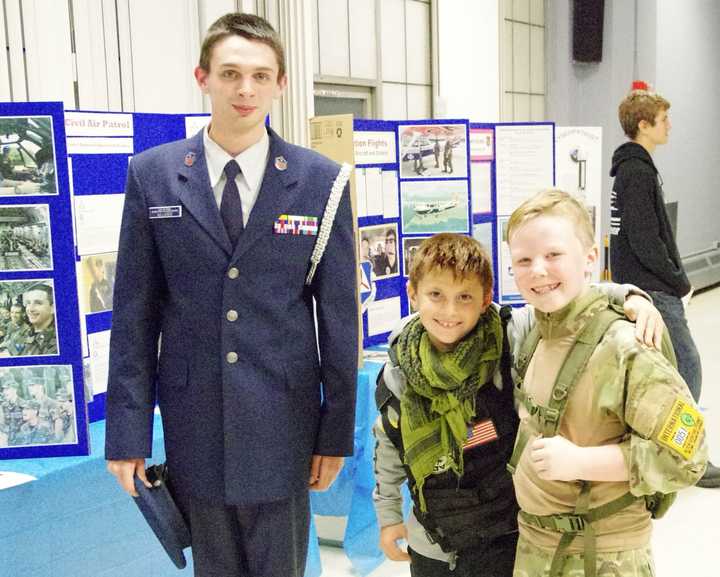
(389, 536)
(649, 324)
(555, 458)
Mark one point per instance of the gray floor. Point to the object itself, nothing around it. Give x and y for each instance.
(683, 541)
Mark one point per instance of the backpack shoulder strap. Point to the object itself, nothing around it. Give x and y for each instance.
(574, 365)
(506, 357)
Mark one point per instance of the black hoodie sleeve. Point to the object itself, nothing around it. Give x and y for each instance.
(642, 226)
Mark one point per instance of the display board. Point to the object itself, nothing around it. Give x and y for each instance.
(42, 403)
(413, 179)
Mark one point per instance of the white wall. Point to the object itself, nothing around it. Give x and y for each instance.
(468, 60)
(674, 47)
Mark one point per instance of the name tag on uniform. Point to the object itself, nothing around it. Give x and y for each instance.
(480, 433)
(296, 225)
(165, 211)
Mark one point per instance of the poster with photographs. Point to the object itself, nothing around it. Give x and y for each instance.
(433, 150)
(42, 401)
(27, 156)
(434, 206)
(27, 318)
(410, 245)
(25, 238)
(97, 282)
(379, 246)
(38, 407)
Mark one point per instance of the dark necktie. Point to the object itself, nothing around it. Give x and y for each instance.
(230, 205)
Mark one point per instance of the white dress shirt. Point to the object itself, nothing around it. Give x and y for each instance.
(252, 161)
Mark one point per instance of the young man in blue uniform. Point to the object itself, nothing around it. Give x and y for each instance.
(211, 259)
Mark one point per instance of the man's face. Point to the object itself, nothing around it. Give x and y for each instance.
(242, 83)
(390, 245)
(38, 308)
(10, 394)
(16, 314)
(37, 391)
(659, 132)
(549, 262)
(449, 307)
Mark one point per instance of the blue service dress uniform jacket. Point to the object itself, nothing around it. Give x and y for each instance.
(239, 372)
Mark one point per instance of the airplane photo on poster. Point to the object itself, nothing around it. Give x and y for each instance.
(434, 206)
(433, 150)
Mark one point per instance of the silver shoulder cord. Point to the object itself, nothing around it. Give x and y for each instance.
(328, 218)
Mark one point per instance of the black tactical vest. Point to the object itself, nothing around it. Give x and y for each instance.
(471, 510)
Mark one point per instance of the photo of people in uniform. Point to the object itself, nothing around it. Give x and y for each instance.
(37, 406)
(27, 319)
(410, 246)
(433, 150)
(27, 156)
(25, 238)
(98, 281)
(379, 246)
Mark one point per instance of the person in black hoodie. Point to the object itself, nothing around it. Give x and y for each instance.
(642, 247)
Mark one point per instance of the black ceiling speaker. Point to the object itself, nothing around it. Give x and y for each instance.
(588, 30)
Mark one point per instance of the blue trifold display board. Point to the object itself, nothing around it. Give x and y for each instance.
(437, 176)
(42, 400)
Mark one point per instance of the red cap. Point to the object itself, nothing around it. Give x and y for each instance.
(639, 85)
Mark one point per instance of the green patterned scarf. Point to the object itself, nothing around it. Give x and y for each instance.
(439, 400)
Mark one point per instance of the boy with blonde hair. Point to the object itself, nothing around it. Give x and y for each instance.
(608, 428)
(447, 420)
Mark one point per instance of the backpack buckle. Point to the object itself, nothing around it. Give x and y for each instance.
(551, 415)
(569, 523)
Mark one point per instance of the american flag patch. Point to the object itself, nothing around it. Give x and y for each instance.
(294, 224)
(480, 433)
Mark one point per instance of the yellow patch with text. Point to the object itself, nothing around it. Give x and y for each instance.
(682, 428)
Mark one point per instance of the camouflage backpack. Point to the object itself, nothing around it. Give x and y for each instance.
(548, 418)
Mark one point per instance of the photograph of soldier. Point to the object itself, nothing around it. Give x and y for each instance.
(36, 406)
(98, 281)
(433, 150)
(31, 329)
(382, 249)
(410, 246)
(25, 238)
(27, 156)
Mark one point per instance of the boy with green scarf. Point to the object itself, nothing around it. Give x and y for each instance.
(449, 378)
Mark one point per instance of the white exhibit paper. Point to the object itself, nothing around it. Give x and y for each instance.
(391, 192)
(99, 345)
(12, 479)
(97, 218)
(383, 315)
(360, 192)
(374, 191)
(374, 147)
(524, 163)
(193, 124)
(480, 184)
(99, 145)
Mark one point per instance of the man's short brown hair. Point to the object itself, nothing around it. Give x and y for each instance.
(640, 105)
(248, 26)
(554, 202)
(462, 255)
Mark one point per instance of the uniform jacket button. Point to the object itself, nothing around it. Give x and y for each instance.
(231, 357)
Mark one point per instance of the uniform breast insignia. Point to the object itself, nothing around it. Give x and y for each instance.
(280, 163)
(480, 433)
(164, 212)
(296, 225)
(682, 429)
(189, 159)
